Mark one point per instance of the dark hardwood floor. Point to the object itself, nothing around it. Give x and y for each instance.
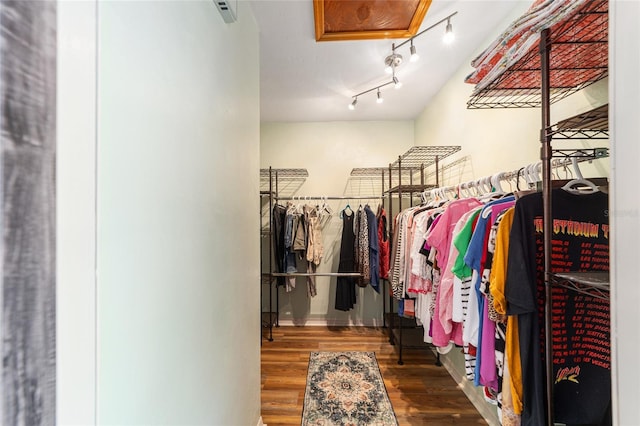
(421, 393)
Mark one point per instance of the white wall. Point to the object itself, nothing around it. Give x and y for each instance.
(624, 55)
(76, 195)
(329, 151)
(178, 157)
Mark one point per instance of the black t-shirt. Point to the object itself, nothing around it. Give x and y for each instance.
(581, 343)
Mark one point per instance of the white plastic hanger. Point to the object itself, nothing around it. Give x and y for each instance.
(579, 185)
(495, 183)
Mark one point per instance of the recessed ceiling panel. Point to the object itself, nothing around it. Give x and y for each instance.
(368, 19)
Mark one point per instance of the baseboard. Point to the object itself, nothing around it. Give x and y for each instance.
(260, 422)
(473, 393)
(323, 322)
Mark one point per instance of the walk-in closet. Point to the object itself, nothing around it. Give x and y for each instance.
(469, 213)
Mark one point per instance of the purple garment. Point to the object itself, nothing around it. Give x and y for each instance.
(488, 374)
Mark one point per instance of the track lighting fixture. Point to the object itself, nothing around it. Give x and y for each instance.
(379, 98)
(394, 60)
(396, 83)
(414, 55)
(449, 36)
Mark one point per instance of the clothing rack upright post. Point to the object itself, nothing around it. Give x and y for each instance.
(547, 221)
(382, 280)
(271, 269)
(266, 277)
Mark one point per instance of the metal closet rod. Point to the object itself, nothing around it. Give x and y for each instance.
(303, 198)
(563, 160)
(316, 274)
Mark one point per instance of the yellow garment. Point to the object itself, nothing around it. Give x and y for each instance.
(497, 281)
(509, 416)
(512, 354)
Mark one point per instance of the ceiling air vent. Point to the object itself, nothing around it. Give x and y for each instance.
(226, 11)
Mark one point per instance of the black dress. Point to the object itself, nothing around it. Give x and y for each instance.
(279, 216)
(346, 286)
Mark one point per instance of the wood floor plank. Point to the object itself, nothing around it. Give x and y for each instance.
(420, 392)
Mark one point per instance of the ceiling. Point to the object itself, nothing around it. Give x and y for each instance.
(304, 80)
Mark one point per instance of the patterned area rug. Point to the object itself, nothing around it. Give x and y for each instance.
(346, 389)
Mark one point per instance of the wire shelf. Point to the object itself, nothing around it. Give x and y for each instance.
(284, 173)
(595, 284)
(583, 154)
(418, 156)
(579, 58)
(369, 172)
(592, 124)
(287, 181)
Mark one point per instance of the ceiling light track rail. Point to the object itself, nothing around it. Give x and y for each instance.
(394, 60)
(446, 19)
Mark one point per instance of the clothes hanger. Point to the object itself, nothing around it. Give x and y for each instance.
(509, 183)
(453, 195)
(579, 185)
(520, 170)
(466, 190)
(495, 184)
(487, 187)
(459, 190)
(435, 198)
(344, 211)
(555, 165)
(423, 198)
(477, 187)
(525, 174)
(327, 208)
(536, 170)
(530, 176)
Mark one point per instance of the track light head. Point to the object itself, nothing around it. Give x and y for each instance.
(414, 55)
(449, 36)
(380, 99)
(396, 83)
(392, 61)
(352, 105)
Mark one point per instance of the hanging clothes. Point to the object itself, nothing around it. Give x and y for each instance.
(418, 280)
(361, 247)
(394, 268)
(279, 219)
(315, 248)
(383, 243)
(290, 263)
(345, 286)
(374, 256)
(487, 368)
(507, 344)
(475, 258)
(581, 341)
(440, 236)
